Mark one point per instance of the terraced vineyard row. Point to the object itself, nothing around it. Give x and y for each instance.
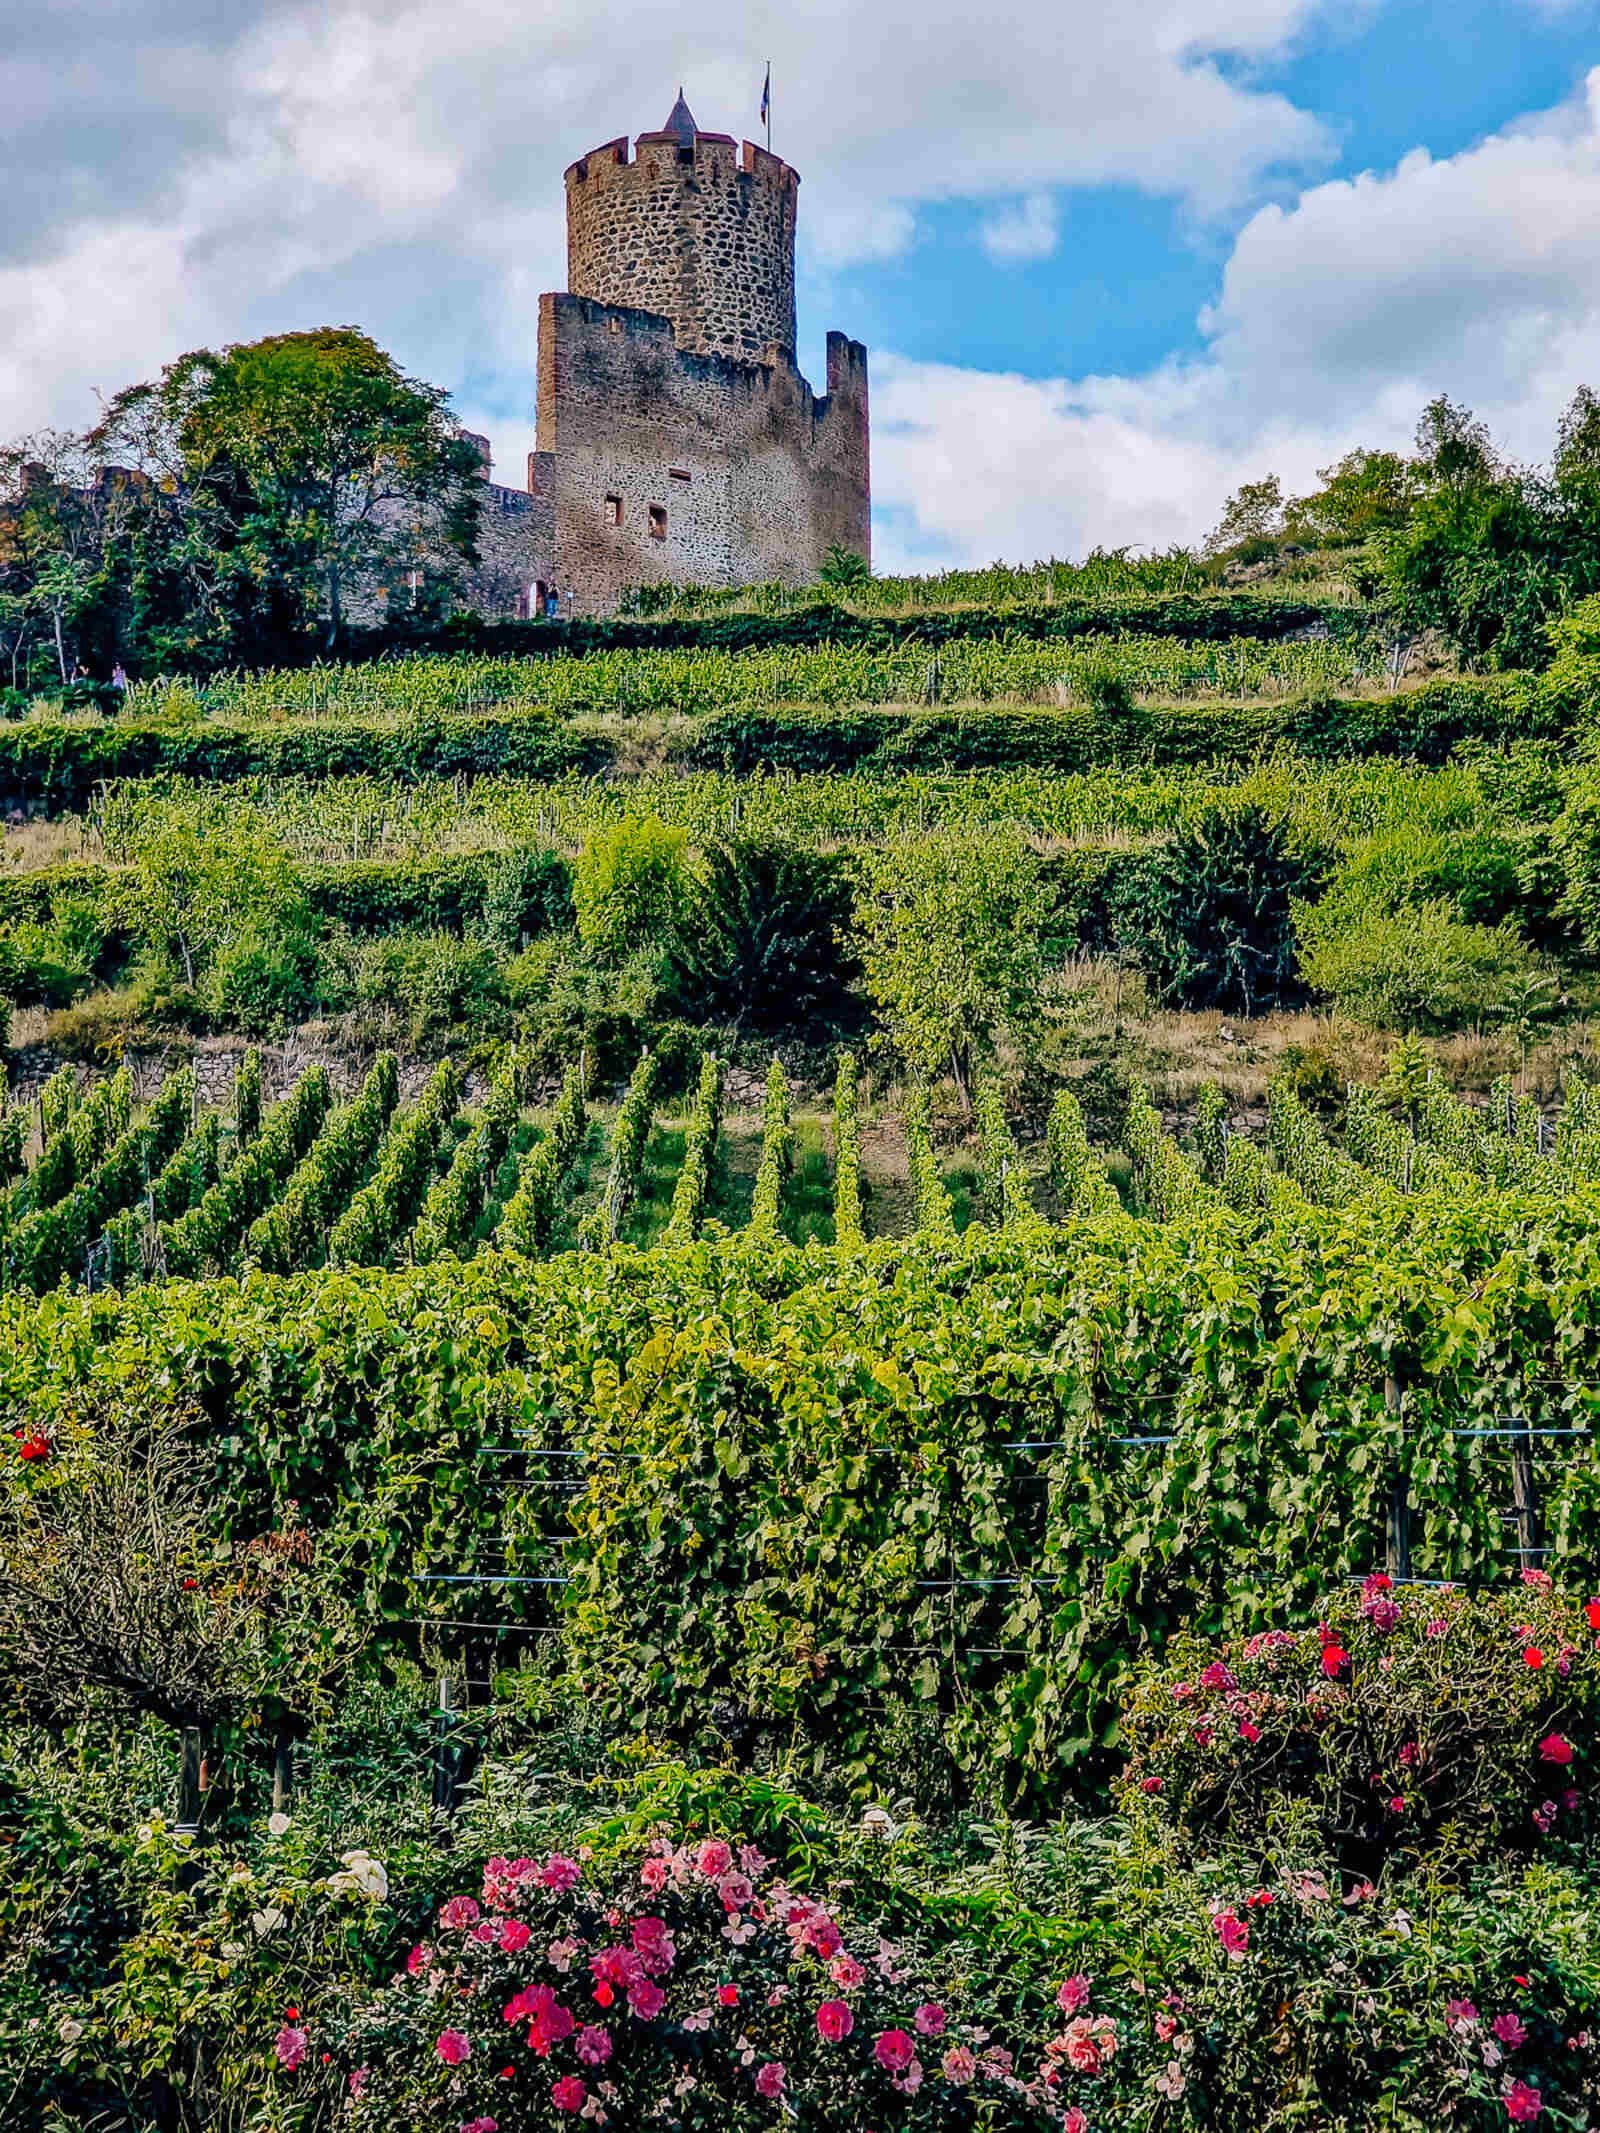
(96, 1195)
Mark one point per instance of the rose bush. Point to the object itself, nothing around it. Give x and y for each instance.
(1404, 1713)
(690, 1984)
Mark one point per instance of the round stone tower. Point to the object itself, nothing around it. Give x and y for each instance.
(694, 228)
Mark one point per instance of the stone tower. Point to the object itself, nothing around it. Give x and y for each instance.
(695, 229)
(677, 442)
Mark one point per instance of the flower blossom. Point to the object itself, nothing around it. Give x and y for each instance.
(835, 2020)
(770, 2079)
(1509, 2031)
(568, 2093)
(454, 2046)
(1523, 2104)
(593, 2045)
(560, 1873)
(928, 2021)
(1556, 1748)
(459, 1913)
(1233, 1933)
(959, 2065)
(713, 1858)
(1460, 2016)
(290, 2046)
(1073, 1993)
(894, 2051)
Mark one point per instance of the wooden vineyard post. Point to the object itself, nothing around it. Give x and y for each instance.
(444, 1752)
(282, 1772)
(1524, 1497)
(194, 1780)
(1397, 1533)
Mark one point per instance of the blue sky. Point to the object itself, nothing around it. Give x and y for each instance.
(1109, 261)
(1132, 270)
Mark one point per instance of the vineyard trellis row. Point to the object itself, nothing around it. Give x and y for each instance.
(108, 1196)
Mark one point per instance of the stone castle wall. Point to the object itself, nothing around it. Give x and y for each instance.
(697, 231)
(673, 466)
(677, 441)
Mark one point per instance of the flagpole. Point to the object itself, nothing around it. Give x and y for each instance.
(769, 107)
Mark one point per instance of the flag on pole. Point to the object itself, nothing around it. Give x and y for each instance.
(766, 97)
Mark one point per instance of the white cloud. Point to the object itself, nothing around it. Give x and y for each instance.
(207, 169)
(1337, 318)
(1026, 230)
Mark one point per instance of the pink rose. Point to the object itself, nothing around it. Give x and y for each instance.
(593, 2045)
(514, 1935)
(568, 2093)
(453, 2047)
(713, 1859)
(1074, 1993)
(459, 1913)
(480, 2125)
(1556, 1748)
(359, 2080)
(736, 1890)
(1074, 2122)
(1460, 2016)
(959, 2065)
(561, 1873)
(928, 2021)
(1509, 2031)
(1523, 2104)
(646, 1999)
(420, 1959)
(290, 2046)
(846, 1972)
(894, 2051)
(770, 2079)
(834, 2021)
(654, 1875)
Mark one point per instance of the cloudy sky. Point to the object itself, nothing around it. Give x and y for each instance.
(1109, 260)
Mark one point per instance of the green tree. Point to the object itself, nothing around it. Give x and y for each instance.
(1363, 494)
(1209, 913)
(951, 932)
(768, 942)
(311, 467)
(1252, 515)
(212, 886)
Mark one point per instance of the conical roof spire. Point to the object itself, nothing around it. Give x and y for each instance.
(680, 120)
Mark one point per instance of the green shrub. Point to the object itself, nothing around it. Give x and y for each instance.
(1414, 966)
(766, 941)
(631, 888)
(1209, 912)
(418, 990)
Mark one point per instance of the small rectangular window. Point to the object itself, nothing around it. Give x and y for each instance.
(613, 510)
(613, 325)
(658, 522)
(678, 474)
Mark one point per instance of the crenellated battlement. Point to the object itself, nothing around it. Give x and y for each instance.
(694, 226)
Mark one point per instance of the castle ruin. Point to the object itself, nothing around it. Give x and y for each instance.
(677, 442)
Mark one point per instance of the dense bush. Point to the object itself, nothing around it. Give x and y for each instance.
(1403, 1720)
(1209, 911)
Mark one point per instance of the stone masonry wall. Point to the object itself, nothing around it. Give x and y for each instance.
(701, 234)
(677, 467)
